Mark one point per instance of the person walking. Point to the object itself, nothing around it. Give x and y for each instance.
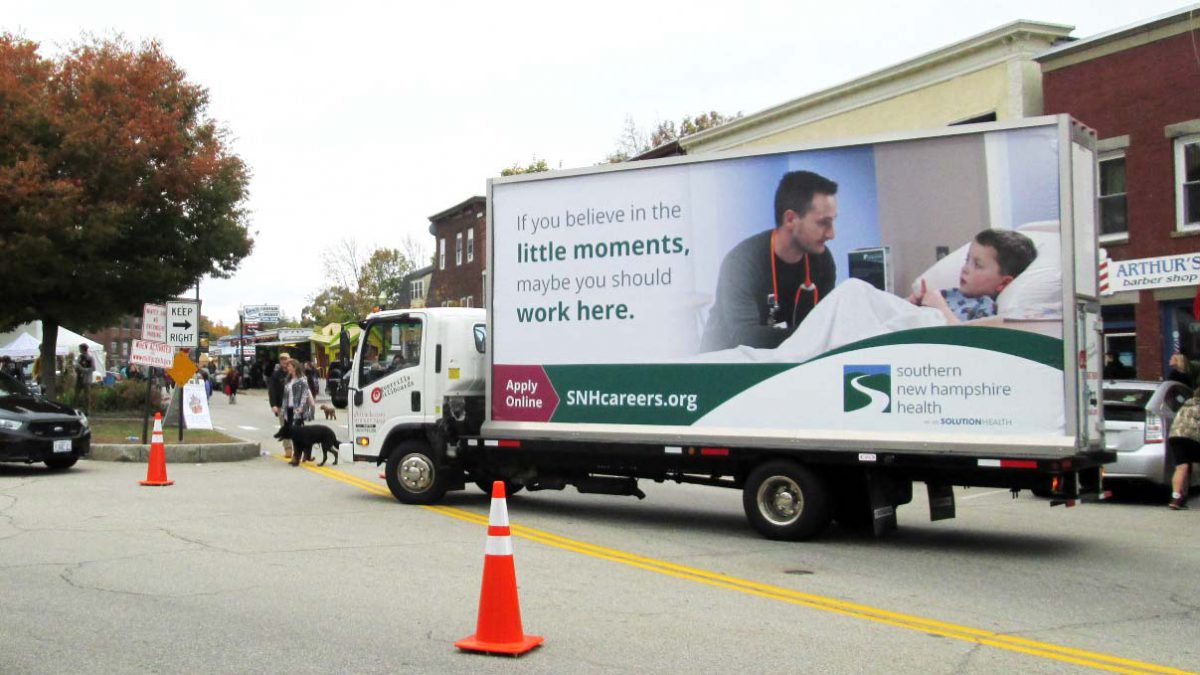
(231, 384)
(298, 402)
(1183, 449)
(275, 387)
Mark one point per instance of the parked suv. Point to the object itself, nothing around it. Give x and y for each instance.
(1137, 419)
(35, 429)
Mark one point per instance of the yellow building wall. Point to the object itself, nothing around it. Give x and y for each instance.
(966, 96)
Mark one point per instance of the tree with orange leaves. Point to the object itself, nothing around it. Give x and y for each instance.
(115, 188)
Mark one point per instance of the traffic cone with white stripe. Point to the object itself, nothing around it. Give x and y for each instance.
(156, 468)
(498, 629)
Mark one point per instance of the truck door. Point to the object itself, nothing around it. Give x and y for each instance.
(391, 379)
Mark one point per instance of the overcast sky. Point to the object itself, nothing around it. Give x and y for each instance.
(362, 119)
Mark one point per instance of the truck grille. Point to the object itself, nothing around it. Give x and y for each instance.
(63, 429)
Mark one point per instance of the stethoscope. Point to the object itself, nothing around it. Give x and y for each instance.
(808, 285)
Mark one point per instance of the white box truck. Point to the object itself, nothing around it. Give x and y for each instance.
(819, 327)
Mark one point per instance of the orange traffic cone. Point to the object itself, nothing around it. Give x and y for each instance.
(156, 468)
(498, 630)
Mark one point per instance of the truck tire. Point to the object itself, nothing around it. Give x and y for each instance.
(413, 475)
(61, 463)
(786, 501)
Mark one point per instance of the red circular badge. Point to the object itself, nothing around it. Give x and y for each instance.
(376, 395)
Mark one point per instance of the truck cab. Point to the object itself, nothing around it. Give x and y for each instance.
(414, 369)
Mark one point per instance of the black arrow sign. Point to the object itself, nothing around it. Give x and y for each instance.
(185, 325)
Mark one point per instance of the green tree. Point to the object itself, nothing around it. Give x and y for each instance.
(535, 166)
(115, 188)
(633, 141)
(360, 280)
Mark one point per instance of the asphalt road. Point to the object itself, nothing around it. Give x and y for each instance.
(257, 566)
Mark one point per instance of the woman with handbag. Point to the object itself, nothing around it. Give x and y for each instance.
(298, 402)
(1183, 448)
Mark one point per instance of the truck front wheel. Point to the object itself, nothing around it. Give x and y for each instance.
(785, 500)
(413, 475)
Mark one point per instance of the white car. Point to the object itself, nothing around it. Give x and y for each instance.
(1137, 419)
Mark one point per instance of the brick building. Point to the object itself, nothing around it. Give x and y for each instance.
(1139, 87)
(117, 340)
(459, 267)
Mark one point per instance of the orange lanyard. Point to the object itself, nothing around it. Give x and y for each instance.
(806, 286)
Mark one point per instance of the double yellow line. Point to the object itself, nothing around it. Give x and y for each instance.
(1012, 643)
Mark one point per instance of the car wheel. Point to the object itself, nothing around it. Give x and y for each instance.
(413, 475)
(787, 501)
(60, 463)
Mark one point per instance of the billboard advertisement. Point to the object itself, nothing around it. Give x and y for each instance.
(904, 286)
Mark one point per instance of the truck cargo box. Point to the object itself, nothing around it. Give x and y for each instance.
(653, 301)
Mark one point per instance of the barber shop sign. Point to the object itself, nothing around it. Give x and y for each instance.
(1148, 273)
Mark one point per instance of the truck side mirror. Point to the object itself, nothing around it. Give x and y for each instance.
(358, 398)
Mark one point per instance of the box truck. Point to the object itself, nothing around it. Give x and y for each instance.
(819, 327)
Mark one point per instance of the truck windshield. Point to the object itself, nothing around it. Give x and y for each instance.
(391, 345)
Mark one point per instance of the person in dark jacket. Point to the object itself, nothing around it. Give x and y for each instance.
(275, 386)
(771, 281)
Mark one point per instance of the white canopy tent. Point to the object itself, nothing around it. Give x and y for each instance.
(68, 342)
(24, 348)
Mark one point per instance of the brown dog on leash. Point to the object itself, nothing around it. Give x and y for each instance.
(330, 411)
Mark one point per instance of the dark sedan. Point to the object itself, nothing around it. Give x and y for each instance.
(35, 429)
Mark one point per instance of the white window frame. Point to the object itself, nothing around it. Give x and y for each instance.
(458, 248)
(470, 301)
(471, 245)
(1114, 237)
(417, 289)
(442, 253)
(1180, 174)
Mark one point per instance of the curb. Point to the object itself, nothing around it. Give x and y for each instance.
(194, 454)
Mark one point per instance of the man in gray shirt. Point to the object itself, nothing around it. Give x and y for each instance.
(770, 281)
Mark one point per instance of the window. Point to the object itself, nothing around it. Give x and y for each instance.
(1114, 223)
(469, 302)
(113, 348)
(441, 254)
(417, 291)
(390, 346)
(471, 245)
(1187, 183)
(458, 249)
(125, 349)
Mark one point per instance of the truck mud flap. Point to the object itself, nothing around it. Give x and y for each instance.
(883, 507)
(941, 501)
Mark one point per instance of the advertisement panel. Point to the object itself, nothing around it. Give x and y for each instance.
(902, 286)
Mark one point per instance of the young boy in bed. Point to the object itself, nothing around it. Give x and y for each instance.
(994, 259)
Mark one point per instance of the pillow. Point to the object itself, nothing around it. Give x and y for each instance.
(1034, 294)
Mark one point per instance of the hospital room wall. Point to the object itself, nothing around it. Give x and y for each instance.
(931, 194)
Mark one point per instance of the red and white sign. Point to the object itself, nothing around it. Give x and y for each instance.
(154, 323)
(154, 354)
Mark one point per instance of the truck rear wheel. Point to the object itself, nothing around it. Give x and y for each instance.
(787, 501)
(413, 475)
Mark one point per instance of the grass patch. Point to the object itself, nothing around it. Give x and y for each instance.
(120, 430)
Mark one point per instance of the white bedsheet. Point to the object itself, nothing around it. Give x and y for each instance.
(855, 310)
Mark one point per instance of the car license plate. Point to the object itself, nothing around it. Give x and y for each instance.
(62, 446)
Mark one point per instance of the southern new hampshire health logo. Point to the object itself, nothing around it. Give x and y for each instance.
(867, 387)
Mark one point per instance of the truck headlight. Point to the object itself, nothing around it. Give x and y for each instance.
(10, 425)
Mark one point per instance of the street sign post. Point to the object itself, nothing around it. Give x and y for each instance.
(154, 322)
(183, 324)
